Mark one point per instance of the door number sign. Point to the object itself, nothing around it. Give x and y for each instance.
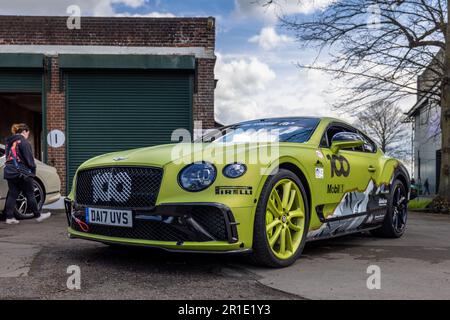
(56, 138)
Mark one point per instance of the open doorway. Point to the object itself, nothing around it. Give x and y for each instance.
(22, 108)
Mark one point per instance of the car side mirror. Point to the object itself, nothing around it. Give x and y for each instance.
(345, 140)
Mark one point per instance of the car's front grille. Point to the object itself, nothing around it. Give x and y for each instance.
(166, 228)
(119, 187)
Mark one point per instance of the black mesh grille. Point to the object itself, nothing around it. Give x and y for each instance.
(119, 187)
(211, 219)
(213, 223)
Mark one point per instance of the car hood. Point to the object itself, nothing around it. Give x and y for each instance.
(163, 155)
(156, 156)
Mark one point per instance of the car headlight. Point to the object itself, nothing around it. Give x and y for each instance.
(234, 170)
(197, 176)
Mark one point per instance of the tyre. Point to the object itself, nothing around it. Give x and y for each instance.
(394, 224)
(281, 221)
(22, 210)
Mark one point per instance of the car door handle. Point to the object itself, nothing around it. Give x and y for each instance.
(372, 169)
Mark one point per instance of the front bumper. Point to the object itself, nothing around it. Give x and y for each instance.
(190, 227)
(52, 197)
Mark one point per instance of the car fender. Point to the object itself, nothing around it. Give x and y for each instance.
(392, 169)
(275, 166)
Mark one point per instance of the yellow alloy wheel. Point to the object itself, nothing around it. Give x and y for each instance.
(285, 219)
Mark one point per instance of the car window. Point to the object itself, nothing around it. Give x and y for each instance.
(297, 130)
(369, 146)
(2, 152)
(330, 133)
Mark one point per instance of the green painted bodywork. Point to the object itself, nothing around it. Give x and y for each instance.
(305, 157)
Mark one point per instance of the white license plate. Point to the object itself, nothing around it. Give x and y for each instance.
(109, 217)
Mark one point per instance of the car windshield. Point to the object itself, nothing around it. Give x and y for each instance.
(297, 130)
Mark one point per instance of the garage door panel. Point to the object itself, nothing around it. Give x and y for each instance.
(18, 81)
(113, 111)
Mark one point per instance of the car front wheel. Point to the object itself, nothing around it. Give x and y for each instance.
(281, 221)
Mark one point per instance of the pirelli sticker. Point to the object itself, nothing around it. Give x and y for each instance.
(234, 191)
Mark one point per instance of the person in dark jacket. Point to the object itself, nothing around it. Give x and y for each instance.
(426, 186)
(20, 169)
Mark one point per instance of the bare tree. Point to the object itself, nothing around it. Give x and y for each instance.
(380, 47)
(384, 122)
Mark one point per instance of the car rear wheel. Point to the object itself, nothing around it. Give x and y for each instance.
(22, 210)
(394, 224)
(281, 221)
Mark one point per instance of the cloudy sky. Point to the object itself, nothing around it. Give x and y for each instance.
(256, 65)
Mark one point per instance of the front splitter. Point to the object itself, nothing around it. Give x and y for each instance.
(213, 247)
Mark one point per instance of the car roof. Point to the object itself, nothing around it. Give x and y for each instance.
(336, 120)
(280, 119)
(326, 119)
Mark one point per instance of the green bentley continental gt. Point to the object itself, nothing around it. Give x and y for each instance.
(262, 187)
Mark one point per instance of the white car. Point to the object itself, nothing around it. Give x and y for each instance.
(47, 188)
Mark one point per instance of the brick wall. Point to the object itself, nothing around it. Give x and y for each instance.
(145, 32)
(204, 98)
(120, 32)
(56, 119)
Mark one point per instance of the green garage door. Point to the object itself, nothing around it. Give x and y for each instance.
(20, 81)
(21, 72)
(118, 110)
